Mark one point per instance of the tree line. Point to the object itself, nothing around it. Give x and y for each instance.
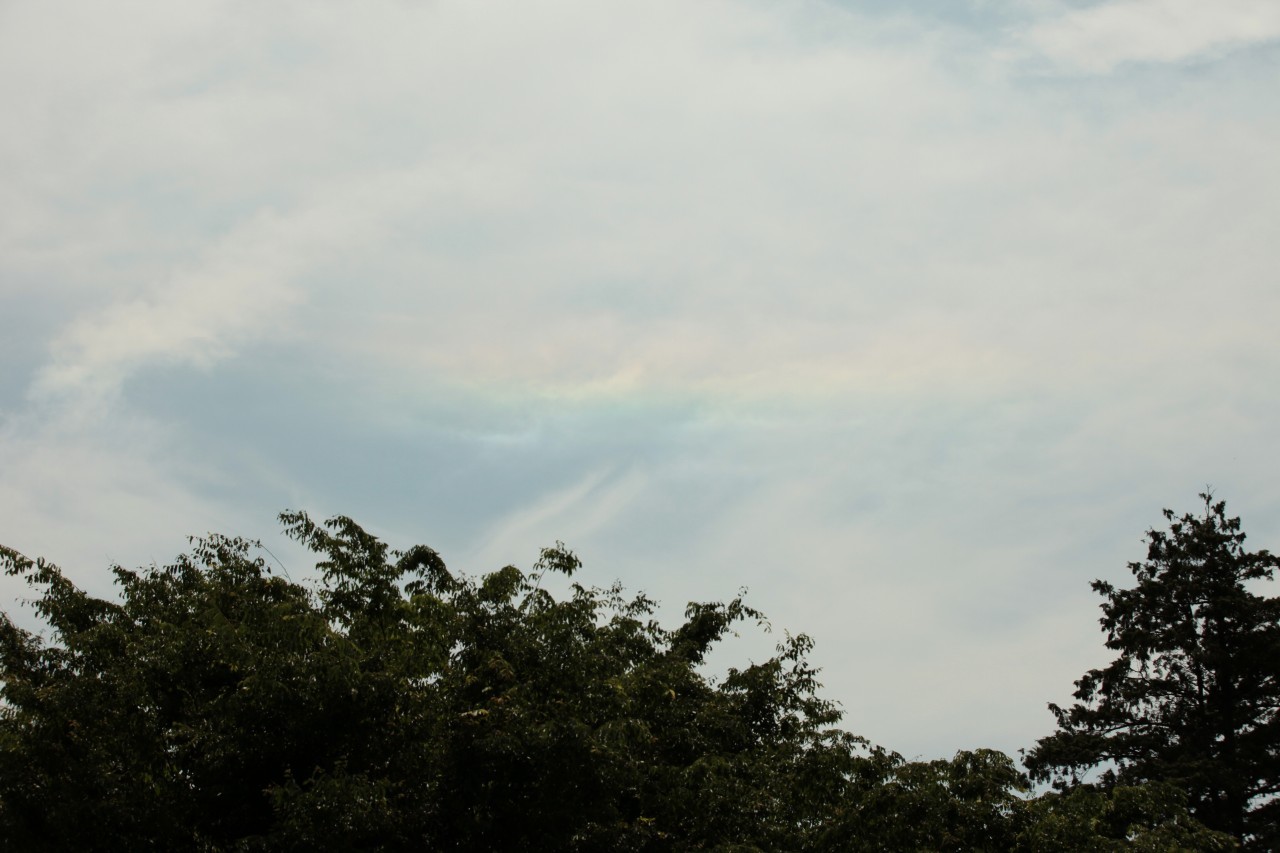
(395, 705)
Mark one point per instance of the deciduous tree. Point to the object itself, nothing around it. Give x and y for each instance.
(397, 706)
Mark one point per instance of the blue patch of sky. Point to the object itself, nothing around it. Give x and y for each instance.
(20, 362)
(972, 13)
(27, 324)
(436, 460)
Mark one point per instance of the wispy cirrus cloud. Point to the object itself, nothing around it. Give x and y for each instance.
(1096, 39)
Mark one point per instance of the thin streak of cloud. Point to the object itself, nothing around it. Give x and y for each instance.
(1099, 38)
(574, 514)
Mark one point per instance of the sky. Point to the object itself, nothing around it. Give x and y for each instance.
(908, 317)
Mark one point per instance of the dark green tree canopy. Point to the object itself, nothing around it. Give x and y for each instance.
(1193, 696)
(395, 705)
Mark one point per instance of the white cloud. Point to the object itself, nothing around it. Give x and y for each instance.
(638, 218)
(1097, 38)
(242, 289)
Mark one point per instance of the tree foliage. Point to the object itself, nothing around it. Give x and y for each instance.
(1192, 698)
(395, 705)
(219, 706)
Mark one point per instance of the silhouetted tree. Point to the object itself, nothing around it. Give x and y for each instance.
(1193, 699)
(398, 705)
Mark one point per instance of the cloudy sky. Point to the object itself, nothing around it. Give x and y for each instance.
(907, 316)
